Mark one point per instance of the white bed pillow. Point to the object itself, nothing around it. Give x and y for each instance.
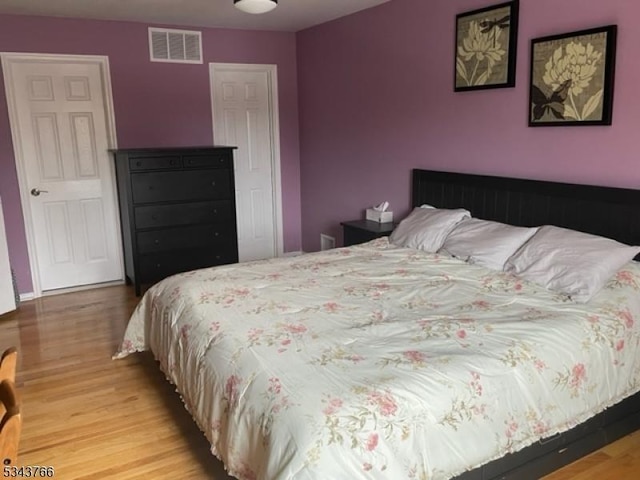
(570, 262)
(486, 243)
(427, 228)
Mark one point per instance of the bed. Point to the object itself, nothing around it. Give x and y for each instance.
(377, 361)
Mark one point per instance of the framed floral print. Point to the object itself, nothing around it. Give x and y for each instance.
(486, 45)
(572, 78)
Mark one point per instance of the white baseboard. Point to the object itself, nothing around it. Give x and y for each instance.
(80, 288)
(24, 297)
(27, 296)
(293, 254)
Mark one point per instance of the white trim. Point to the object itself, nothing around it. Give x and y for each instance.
(8, 58)
(25, 297)
(276, 171)
(297, 253)
(80, 288)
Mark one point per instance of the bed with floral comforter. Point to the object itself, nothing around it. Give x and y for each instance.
(376, 361)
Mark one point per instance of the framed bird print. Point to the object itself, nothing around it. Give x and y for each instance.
(486, 45)
(572, 78)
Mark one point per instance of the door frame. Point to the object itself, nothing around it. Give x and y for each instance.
(8, 59)
(276, 174)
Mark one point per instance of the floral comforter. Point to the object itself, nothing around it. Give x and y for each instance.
(376, 361)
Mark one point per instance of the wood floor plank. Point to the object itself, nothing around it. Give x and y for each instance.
(93, 418)
(87, 415)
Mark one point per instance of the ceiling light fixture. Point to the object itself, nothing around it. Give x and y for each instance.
(255, 6)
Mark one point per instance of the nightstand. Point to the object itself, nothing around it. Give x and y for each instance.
(360, 231)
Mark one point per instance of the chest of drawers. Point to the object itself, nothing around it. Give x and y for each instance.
(177, 210)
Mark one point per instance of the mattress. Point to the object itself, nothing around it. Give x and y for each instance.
(377, 361)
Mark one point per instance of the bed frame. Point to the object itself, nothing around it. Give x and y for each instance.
(606, 211)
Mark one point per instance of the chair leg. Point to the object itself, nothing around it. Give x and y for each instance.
(8, 364)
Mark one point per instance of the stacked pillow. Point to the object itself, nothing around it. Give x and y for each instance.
(486, 243)
(570, 262)
(426, 228)
(565, 261)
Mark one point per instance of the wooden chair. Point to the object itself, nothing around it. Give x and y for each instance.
(11, 423)
(11, 420)
(8, 364)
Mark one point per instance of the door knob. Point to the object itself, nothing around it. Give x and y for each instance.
(35, 192)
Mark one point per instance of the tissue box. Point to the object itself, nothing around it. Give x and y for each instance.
(380, 217)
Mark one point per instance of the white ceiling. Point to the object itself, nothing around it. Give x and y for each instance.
(290, 15)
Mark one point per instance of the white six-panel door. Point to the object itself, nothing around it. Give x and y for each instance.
(245, 116)
(61, 134)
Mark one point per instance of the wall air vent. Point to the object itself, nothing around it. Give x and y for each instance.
(175, 46)
(327, 242)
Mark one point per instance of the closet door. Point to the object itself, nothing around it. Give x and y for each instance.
(245, 113)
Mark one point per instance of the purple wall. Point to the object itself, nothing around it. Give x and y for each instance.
(156, 104)
(376, 99)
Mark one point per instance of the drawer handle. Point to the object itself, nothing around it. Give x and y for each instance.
(150, 187)
(172, 162)
(191, 161)
(138, 164)
(154, 217)
(157, 265)
(213, 184)
(215, 211)
(217, 234)
(217, 257)
(156, 241)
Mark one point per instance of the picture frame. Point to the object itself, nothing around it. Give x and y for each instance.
(563, 96)
(485, 47)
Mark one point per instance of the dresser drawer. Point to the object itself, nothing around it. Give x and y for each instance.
(154, 163)
(151, 216)
(156, 266)
(213, 160)
(181, 185)
(198, 236)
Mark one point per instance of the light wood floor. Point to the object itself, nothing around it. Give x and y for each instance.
(94, 418)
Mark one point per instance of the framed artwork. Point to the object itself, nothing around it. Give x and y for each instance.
(486, 45)
(572, 78)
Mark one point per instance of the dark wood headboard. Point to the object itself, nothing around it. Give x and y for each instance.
(606, 211)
